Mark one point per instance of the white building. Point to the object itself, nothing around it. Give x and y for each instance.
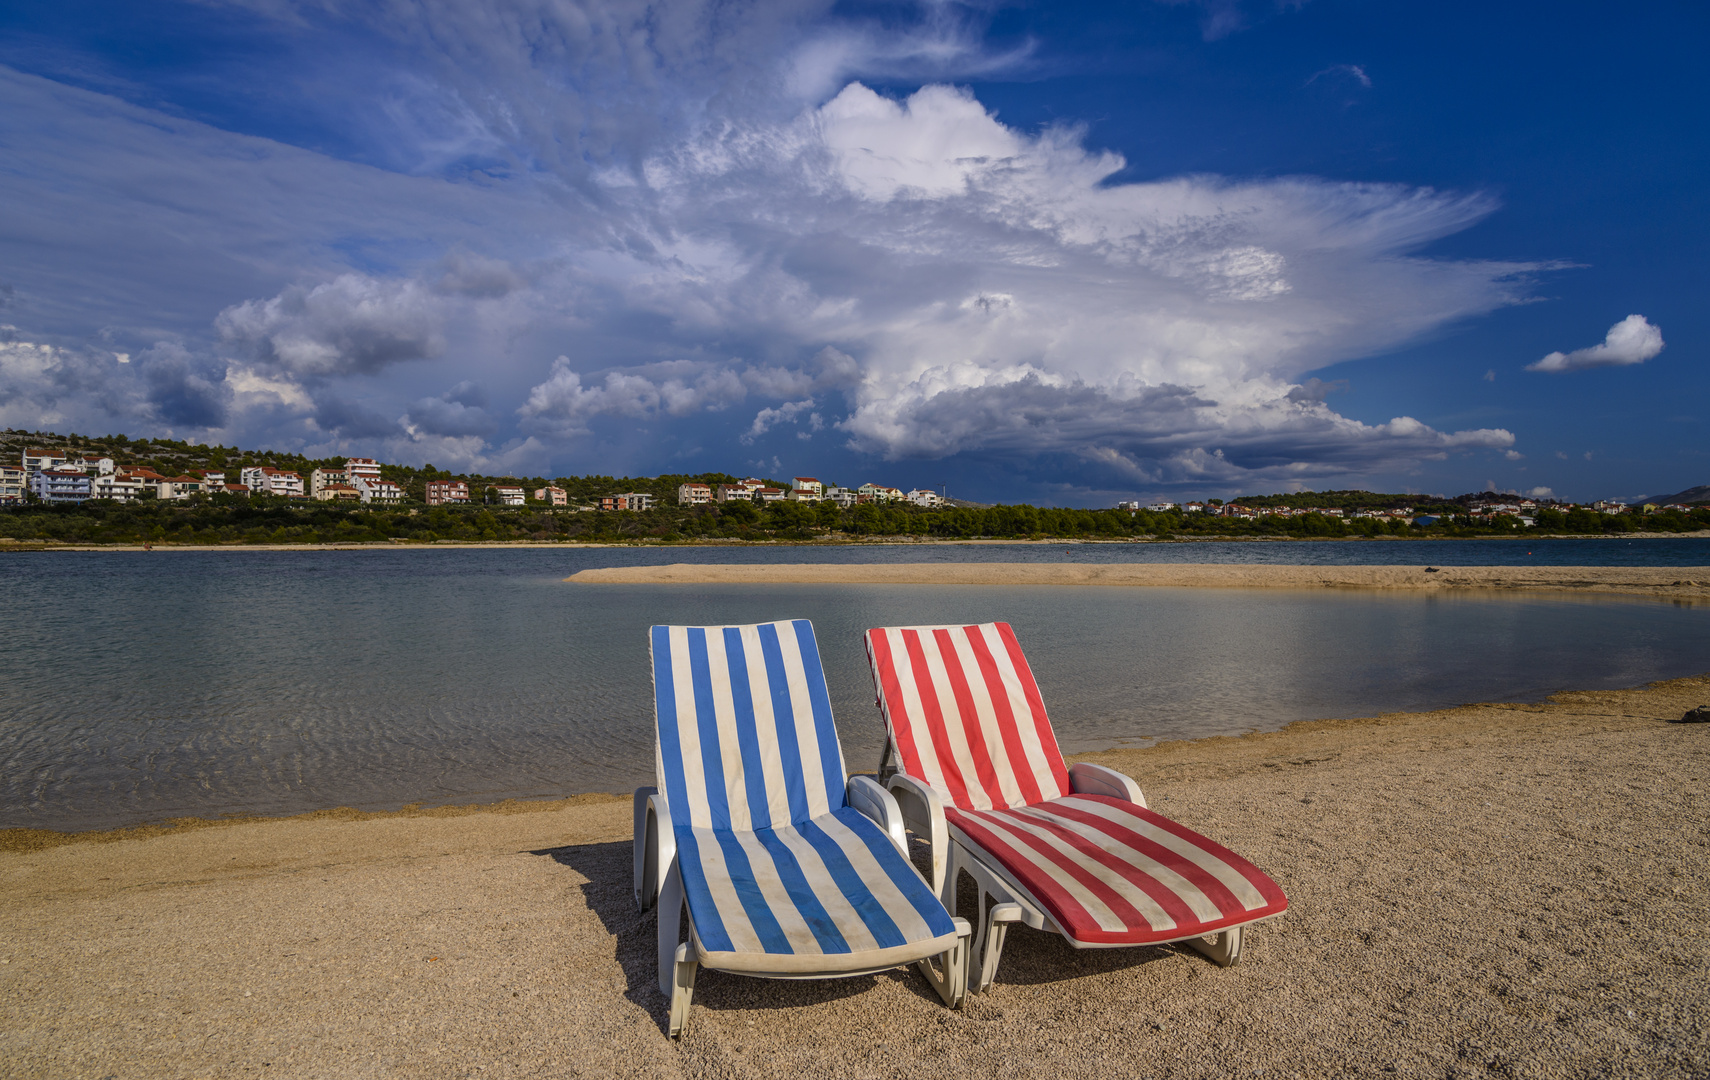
(37, 460)
(362, 466)
(925, 497)
(508, 496)
(266, 480)
(122, 486)
(843, 497)
(806, 487)
(372, 489)
(1161, 507)
(693, 494)
(213, 480)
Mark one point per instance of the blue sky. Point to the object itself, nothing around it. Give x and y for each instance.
(1055, 253)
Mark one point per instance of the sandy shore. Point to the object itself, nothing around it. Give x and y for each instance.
(1484, 891)
(1665, 581)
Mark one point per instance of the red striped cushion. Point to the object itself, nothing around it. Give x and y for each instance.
(966, 715)
(1113, 873)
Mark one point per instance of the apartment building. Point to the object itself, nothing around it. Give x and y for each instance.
(322, 479)
(60, 485)
(552, 496)
(629, 500)
(11, 485)
(37, 460)
(266, 480)
(925, 497)
(806, 487)
(361, 466)
(443, 492)
(213, 480)
(372, 489)
(177, 487)
(694, 494)
(506, 495)
(123, 486)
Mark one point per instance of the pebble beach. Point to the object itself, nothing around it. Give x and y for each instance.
(1492, 890)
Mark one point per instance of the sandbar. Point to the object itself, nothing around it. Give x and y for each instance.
(1683, 582)
(1493, 890)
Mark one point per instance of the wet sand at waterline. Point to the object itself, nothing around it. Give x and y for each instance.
(1513, 890)
(1665, 581)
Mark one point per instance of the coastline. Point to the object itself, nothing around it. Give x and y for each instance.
(1489, 889)
(1683, 583)
(8, 544)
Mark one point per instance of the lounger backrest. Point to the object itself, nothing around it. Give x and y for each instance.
(745, 739)
(965, 714)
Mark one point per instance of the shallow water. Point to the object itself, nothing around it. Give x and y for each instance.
(138, 686)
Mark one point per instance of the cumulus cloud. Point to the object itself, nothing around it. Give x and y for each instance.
(1633, 340)
(766, 419)
(351, 325)
(655, 199)
(460, 411)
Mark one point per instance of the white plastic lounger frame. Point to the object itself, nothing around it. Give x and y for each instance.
(974, 766)
(785, 869)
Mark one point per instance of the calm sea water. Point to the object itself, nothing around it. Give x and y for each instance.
(136, 687)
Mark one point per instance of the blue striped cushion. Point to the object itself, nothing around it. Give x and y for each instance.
(834, 886)
(775, 864)
(745, 736)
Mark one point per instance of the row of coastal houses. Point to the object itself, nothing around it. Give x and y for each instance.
(61, 477)
(803, 489)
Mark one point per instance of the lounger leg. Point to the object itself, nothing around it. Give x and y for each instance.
(952, 982)
(670, 913)
(682, 988)
(646, 848)
(1224, 949)
(994, 927)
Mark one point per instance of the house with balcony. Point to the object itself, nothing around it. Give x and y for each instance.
(552, 496)
(629, 500)
(266, 480)
(447, 492)
(694, 494)
(177, 487)
(361, 466)
(925, 497)
(507, 495)
(123, 486)
(727, 492)
(321, 479)
(372, 489)
(213, 480)
(11, 485)
(37, 460)
(60, 485)
(806, 487)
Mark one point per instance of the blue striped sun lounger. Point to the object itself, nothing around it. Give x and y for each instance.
(787, 869)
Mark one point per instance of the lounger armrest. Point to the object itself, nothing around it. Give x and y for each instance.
(867, 797)
(655, 845)
(1089, 779)
(923, 814)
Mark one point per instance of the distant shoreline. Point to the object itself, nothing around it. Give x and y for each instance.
(9, 545)
(1664, 582)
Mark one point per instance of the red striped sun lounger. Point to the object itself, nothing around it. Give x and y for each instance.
(975, 768)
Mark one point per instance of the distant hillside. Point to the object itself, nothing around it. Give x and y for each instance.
(1699, 494)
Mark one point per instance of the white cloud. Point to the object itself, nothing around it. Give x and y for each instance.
(936, 282)
(765, 419)
(1352, 71)
(1633, 340)
(351, 325)
(1541, 493)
